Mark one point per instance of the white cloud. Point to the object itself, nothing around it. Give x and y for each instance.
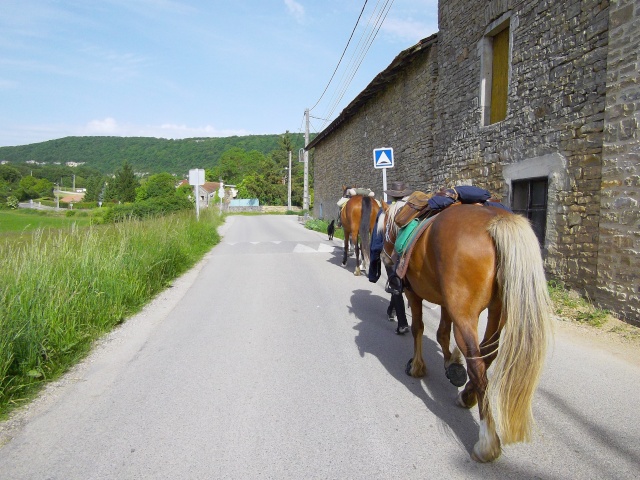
(7, 84)
(108, 126)
(295, 9)
(408, 29)
(27, 134)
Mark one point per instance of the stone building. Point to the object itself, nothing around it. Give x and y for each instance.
(537, 101)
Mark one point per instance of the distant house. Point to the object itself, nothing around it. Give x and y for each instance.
(206, 192)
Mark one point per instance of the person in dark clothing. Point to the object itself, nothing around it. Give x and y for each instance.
(396, 307)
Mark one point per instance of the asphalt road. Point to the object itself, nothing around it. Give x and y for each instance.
(269, 360)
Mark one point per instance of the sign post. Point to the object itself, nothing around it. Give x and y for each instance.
(196, 178)
(383, 159)
(221, 194)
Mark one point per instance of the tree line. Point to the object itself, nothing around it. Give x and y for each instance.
(256, 174)
(145, 155)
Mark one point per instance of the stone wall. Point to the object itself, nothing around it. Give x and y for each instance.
(619, 255)
(555, 109)
(563, 73)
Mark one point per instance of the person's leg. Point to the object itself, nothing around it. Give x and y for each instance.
(397, 301)
(391, 312)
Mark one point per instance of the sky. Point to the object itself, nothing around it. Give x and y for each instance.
(192, 68)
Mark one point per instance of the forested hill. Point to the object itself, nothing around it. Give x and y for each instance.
(144, 154)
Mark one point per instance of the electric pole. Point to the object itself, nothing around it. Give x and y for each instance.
(289, 184)
(305, 197)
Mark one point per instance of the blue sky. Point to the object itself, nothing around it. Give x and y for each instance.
(190, 68)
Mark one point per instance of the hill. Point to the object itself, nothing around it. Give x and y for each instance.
(144, 154)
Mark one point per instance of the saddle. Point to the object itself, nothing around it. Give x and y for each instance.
(416, 207)
(420, 210)
(422, 205)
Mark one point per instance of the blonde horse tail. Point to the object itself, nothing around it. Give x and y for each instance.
(527, 329)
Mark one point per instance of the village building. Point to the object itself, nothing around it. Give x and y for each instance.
(537, 102)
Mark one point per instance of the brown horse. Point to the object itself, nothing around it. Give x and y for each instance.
(358, 218)
(469, 259)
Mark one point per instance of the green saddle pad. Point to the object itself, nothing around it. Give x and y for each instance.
(405, 234)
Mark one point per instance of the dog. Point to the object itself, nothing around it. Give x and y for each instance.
(331, 229)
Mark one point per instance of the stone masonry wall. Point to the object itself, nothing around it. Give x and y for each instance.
(555, 107)
(619, 256)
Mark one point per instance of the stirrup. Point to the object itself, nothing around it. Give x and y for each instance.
(394, 285)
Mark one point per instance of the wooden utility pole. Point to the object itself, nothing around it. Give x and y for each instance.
(289, 185)
(305, 197)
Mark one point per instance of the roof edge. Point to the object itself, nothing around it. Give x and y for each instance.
(376, 85)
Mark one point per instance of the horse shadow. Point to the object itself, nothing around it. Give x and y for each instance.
(393, 351)
(336, 257)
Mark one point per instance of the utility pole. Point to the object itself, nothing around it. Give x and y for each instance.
(289, 184)
(306, 163)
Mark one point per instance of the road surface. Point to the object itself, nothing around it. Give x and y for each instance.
(269, 360)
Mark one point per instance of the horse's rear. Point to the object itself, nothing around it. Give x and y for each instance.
(358, 217)
(473, 258)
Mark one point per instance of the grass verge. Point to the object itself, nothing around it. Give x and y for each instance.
(321, 226)
(60, 291)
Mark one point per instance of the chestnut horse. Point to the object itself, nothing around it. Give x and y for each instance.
(358, 218)
(469, 259)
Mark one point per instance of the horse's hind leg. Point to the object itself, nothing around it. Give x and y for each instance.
(453, 367)
(416, 366)
(488, 351)
(356, 248)
(346, 249)
(487, 448)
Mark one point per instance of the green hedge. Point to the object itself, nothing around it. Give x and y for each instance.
(154, 207)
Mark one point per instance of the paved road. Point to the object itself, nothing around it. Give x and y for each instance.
(269, 360)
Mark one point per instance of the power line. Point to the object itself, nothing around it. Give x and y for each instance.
(343, 52)
(358, 58)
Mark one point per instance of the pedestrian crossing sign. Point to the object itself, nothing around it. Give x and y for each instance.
(383, 158)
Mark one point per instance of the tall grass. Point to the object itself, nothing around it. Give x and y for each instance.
(62, 290)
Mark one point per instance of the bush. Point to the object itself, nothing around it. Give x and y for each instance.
(153, 207)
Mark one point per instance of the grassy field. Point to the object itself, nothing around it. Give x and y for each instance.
(27, 220)
(62, 289)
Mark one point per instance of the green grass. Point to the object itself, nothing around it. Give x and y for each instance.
(60, 291)
(568, 304)
(321, 226)
(28, 220)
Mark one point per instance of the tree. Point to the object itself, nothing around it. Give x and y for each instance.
(9, 174)
(43, 187)
(125, 184)
(159, 185)
(95, 184)
(266, 188)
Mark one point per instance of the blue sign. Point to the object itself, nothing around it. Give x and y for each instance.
(383, 158)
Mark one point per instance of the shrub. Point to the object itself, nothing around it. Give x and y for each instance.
(153, 207)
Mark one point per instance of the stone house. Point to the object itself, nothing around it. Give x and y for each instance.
(537, 101)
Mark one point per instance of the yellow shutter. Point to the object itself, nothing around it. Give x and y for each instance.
(500, 76)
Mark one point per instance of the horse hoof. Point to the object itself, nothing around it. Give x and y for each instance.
(407, 369)
(456, 374)
(484, 451)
